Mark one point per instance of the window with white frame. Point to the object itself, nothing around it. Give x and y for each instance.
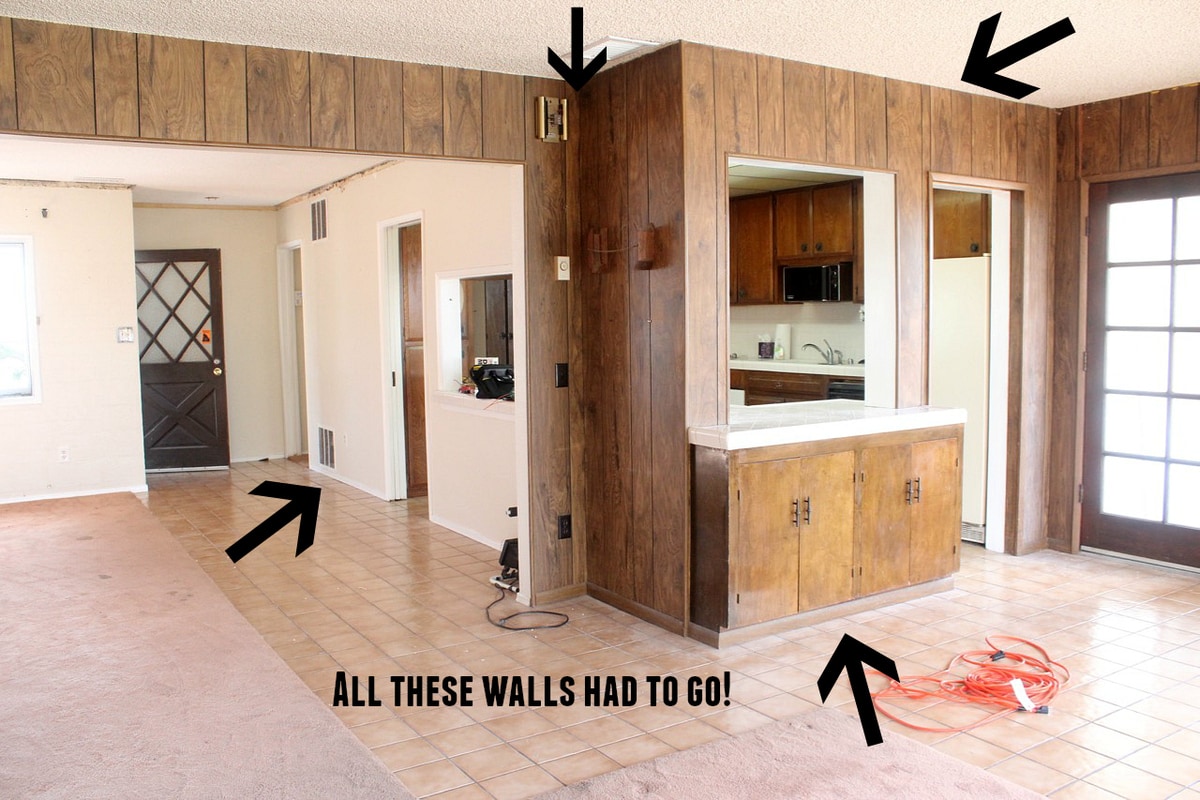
(18, 321)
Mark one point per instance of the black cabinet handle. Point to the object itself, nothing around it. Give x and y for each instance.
(916, 490)
(908, 491)
(974, 247)
(808, 511)
(804, 248)
(796, 513)
(820, 247)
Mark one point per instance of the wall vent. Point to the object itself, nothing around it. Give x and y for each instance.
(325, 447)
(318, 220)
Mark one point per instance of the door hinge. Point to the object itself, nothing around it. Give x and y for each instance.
(738, 597)
(1080, 494)
(1087, 226)
(1085, 360)
(393, 379)
(955, 550)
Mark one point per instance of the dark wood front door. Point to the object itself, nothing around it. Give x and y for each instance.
(185, 422)
(1141, 479)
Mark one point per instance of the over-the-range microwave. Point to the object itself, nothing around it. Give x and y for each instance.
(825, 283)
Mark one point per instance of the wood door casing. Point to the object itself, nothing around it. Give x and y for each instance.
(936, 524)
(766, 553)
(827, 535)
(416, 455)
(185, 416)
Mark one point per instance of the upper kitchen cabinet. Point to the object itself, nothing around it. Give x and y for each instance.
(817, 222)
(961, 224)
(752, 273)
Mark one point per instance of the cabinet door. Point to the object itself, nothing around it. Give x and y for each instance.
(752, 258)
(764, 554)
(885, 505)
(961, 224)
(936, 526)
(826, 493)
(833, 228)
(793, 223)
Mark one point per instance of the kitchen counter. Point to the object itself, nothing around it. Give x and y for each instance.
(790, 423)
(795, 365)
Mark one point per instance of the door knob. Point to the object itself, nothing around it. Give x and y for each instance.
(217, 370)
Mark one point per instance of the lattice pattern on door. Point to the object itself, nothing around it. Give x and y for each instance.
(174, 312)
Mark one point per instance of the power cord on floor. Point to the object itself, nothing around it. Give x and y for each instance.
(503, 621)
(1029, 685)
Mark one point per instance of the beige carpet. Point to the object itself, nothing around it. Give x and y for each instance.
(126, 673)
(817, 755)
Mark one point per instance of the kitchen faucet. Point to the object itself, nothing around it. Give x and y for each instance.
(831, 356)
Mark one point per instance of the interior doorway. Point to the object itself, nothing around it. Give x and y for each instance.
(405, 351)
(289, 259)
(969, 273)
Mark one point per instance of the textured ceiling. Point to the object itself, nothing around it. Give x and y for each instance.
(1120, 46)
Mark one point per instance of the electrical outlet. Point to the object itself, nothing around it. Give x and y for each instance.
(564, 526)
(562, 376)
(64, 454)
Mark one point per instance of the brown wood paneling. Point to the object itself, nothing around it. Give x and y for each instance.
(462, 112)
(870, 121)
(735, 80)
(1064, 378)
(54, 77)
(840, 138)
(504, 116)
(1173, 126)
(804, 111)
(771, 136)
(547, 343)
(705, 205)
(1011, 118)
(114, 56)
(985, 136)
(950, 131)
(1135, 132)
(378, 105)
(8, 77)
(423, 126)
(906, 137)
(277, 97)
(224, 92)
(331, 100)
(1067, 144)
(171, 87)
(1100, 150)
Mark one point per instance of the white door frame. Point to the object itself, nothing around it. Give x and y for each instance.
(392, 325)
(285, 280)
(998, 333)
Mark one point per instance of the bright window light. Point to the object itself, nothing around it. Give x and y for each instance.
(18, 321)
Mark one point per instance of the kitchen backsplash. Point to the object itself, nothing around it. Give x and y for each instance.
(811, 322)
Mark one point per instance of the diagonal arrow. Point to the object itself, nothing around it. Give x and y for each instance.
(577, 74)
(981, 68)
(850, 655)
(303, 503)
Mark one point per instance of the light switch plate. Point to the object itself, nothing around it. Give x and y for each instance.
(125, 333)
(562, 267)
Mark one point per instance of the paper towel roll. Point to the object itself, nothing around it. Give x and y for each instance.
(783, 341)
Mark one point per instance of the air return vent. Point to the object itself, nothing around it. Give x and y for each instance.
(318, 220)
(325, 446)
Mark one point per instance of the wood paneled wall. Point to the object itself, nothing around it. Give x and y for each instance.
(76, 81)
(1154, 133)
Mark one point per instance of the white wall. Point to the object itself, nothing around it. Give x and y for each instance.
(246, 239)
(91, 397)
(472, 221)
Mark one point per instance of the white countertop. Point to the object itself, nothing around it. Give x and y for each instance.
(790, 423)
(795, 365)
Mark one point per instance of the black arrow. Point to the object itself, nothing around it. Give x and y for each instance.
(981, 68)
(850, 655)
(303, 503)
(577, 74)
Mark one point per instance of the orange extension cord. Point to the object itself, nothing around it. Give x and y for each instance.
(988, 682)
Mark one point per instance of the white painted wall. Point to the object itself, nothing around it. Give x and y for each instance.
(472, 222)
(91, 398)
(246, 239)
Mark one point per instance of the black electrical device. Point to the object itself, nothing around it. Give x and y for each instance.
(509, 564)
(564, 526)
(562, 376)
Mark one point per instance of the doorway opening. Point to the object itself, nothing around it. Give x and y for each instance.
(405, 351)
(292, 351)
(969, 295)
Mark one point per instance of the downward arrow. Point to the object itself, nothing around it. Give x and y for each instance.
(981, 68)
(303, 503)
(850, 655)
(577, 75)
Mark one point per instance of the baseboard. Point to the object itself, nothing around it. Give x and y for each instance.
(653, 616)
(142, 489)
(464, 531)
(749, 633)
(327, 472)
(561, 593)
(252, 459)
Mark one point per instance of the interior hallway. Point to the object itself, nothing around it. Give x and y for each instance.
(384, 592)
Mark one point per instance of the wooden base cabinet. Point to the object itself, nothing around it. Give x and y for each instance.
(782, 530)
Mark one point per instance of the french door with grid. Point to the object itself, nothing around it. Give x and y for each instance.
(1141, 493)
(185, 421)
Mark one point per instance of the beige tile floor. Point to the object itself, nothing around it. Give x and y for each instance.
(386, 592)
